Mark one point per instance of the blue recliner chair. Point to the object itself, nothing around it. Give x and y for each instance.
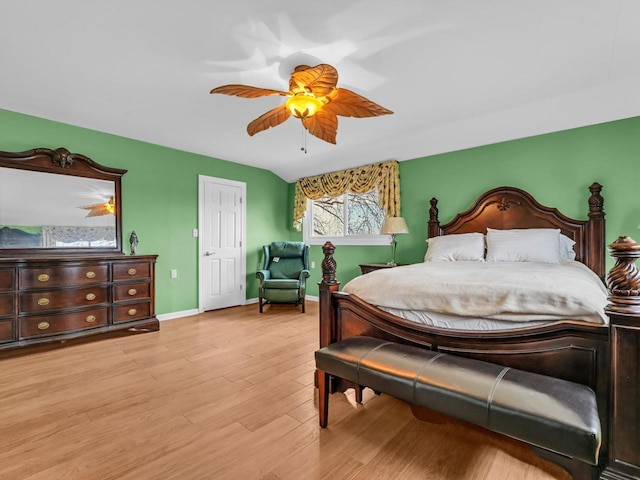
(284, 274)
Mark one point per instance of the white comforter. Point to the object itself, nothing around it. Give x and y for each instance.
(514, 291)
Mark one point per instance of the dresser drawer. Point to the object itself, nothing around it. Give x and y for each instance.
(6, 278)
(129, 291)
(131, 271)
(6, 330)
(43, 325)
(36, 277)
(56, 299)
(131, 311)
(6, 304)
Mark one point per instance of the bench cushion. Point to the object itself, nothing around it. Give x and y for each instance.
(547, 412)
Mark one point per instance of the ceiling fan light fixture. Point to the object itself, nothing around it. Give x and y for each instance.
(303, 105)
(110, 207)
(313, 97)
(99, 209)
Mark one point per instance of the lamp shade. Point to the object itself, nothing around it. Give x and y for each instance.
(393, 225)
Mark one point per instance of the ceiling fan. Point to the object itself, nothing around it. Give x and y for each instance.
(313, 98)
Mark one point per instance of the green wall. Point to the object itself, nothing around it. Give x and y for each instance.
(160, 192)
(160, 199)
(555, 168)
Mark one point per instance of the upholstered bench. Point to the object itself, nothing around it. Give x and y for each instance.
(552, 414)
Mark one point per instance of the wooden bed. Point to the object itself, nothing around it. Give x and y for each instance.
(572, 350)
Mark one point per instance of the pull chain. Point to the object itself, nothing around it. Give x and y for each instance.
(303, 148)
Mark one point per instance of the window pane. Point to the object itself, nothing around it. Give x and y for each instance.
(365, 216)
(328, 216)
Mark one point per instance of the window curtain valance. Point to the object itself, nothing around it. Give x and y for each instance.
(384, 176)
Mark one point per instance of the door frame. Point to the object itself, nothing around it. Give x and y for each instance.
(243, 236)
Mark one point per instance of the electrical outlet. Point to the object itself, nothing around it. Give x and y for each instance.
(313, 264)
(174, 273)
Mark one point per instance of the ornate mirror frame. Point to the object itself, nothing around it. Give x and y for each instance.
(62, 162)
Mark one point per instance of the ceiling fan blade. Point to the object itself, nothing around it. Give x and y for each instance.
(246, 91)
(97, 212)
(270, 119)
(349, 104)
(323, 125)
(320, 80)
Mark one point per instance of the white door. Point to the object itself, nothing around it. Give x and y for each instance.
(221, 246)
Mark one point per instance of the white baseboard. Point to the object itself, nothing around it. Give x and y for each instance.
(313, 298)
(187, 313)
(171, 316)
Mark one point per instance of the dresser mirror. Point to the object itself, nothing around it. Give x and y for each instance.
(54, 201)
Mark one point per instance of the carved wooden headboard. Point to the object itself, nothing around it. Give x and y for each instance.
(510, 207)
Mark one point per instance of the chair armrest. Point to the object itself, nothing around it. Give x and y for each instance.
(263, 275)
(304, 274)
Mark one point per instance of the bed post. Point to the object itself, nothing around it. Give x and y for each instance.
(623, 282)
(596, 251)
(434, 223)
(326, 287)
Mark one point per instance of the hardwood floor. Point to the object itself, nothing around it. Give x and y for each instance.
(223, 395)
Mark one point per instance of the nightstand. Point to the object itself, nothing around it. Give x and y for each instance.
(370, 267)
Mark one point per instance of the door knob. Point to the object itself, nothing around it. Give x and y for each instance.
(208, 254)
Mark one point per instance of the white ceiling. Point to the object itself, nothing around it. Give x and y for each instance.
(457, 73)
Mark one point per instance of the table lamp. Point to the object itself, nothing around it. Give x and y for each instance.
(392, 226)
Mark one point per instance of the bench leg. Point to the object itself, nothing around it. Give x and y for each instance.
(323, 397)
(578, 470)
(359, 389)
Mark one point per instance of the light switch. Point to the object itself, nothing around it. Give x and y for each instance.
(174, 273)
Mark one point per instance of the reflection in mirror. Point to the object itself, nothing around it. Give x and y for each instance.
(45, 210)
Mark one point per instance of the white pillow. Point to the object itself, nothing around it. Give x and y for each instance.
(462, 246)
(523, 245)
(566, 248)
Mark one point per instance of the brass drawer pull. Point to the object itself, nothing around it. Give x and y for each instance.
(90, 274)
(43, 277)
(132, 312)
(132, 291)
(43, 325)
(90, 296)
(43, 301)
(132, 271)
(90, 319)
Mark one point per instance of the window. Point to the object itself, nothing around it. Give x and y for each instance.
(349, 219)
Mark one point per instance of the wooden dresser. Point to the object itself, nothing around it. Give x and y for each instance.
(63, 273)
(52, 298)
